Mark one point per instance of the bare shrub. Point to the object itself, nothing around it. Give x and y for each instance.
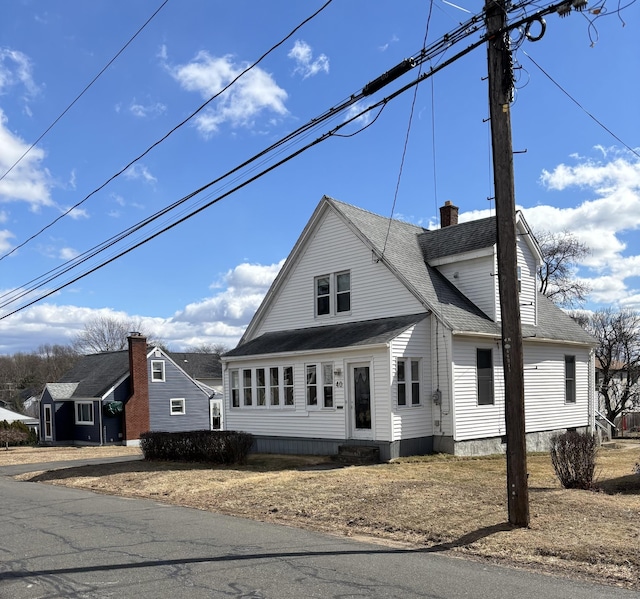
(573, 456)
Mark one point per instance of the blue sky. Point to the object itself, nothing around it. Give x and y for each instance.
(201, 281)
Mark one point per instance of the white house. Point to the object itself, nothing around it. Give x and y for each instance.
(382, 333)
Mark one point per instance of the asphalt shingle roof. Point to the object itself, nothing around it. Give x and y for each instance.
(93, 375)
(353, 334)
(406, 249)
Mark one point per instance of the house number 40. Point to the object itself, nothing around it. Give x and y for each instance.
(339, 384)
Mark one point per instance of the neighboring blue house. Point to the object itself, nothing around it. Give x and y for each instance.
(113, 397)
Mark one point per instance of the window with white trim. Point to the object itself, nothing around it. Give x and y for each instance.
(261, 387)
(235, 388)
(319, 385)
(84, 412)
(177, 406)
(287, 385)
(484, 373)
(268, 387)
(247, 386)
(157, 371)
(408, 381)
(570, 379)
(332, 293)
(312, 385)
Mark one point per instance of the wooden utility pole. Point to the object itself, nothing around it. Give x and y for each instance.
(500, 96)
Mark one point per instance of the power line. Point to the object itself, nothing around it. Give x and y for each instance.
(173, 130)
(426, 54)
(564, 91)
(52, 125)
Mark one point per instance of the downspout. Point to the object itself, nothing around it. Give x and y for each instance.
(101, 425)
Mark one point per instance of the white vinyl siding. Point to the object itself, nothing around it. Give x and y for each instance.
(544, 381)
(544, 375)
(529, 283)
(475, 421)
(412, 421)
(300, 420)
(476, 279)
(374, 291)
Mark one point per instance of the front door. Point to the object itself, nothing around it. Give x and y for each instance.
(361, 408)
(215, 411)
(48, 432)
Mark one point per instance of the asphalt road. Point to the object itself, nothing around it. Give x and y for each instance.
(59, 542)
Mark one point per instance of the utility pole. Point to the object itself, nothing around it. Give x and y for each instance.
(500, 96)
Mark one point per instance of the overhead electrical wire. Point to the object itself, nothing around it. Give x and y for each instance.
(564, 91)
(408, 133)
(426, 54)
(173, 130)
(52, 125)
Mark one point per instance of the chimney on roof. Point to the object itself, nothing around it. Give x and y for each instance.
(136, 409)
(448, 215)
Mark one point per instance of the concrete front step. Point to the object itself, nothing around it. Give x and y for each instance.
(358, 454)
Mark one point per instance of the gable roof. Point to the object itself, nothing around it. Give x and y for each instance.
(94, 374)
(406, 250)
(198, 365)
(457, 239)
(353, 334)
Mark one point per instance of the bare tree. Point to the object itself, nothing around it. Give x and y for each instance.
(106, 333)
(560, 254)
(216, 349)
(617, 359)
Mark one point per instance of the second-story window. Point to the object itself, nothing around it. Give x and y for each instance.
(333, 293)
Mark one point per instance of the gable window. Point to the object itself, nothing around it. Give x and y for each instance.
(484, 370)
(84, 412)
(157, 371)
(235, 388)
(343, 292)
(408, 382)
(323, 297)
(570, 379)
(333, 293)
(177, 406)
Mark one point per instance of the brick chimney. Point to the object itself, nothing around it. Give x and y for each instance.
(136, 410)
(448, 215)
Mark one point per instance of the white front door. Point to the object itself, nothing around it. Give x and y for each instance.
(360, 401)
(215, 413)
(48, 430)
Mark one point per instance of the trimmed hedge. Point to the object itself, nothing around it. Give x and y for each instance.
(217, 447)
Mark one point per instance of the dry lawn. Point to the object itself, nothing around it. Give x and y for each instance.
(438, 503)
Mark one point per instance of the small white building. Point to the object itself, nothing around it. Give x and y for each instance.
(379, 332)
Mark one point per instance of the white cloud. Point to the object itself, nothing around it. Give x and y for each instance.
(147, 110)
(5, 244)
(354, 110)
(606, 221)
(306, 65)
(139, 171)
(16, 68)
(254, 93)
(28, 181)
(68, 253)
(220, 319)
